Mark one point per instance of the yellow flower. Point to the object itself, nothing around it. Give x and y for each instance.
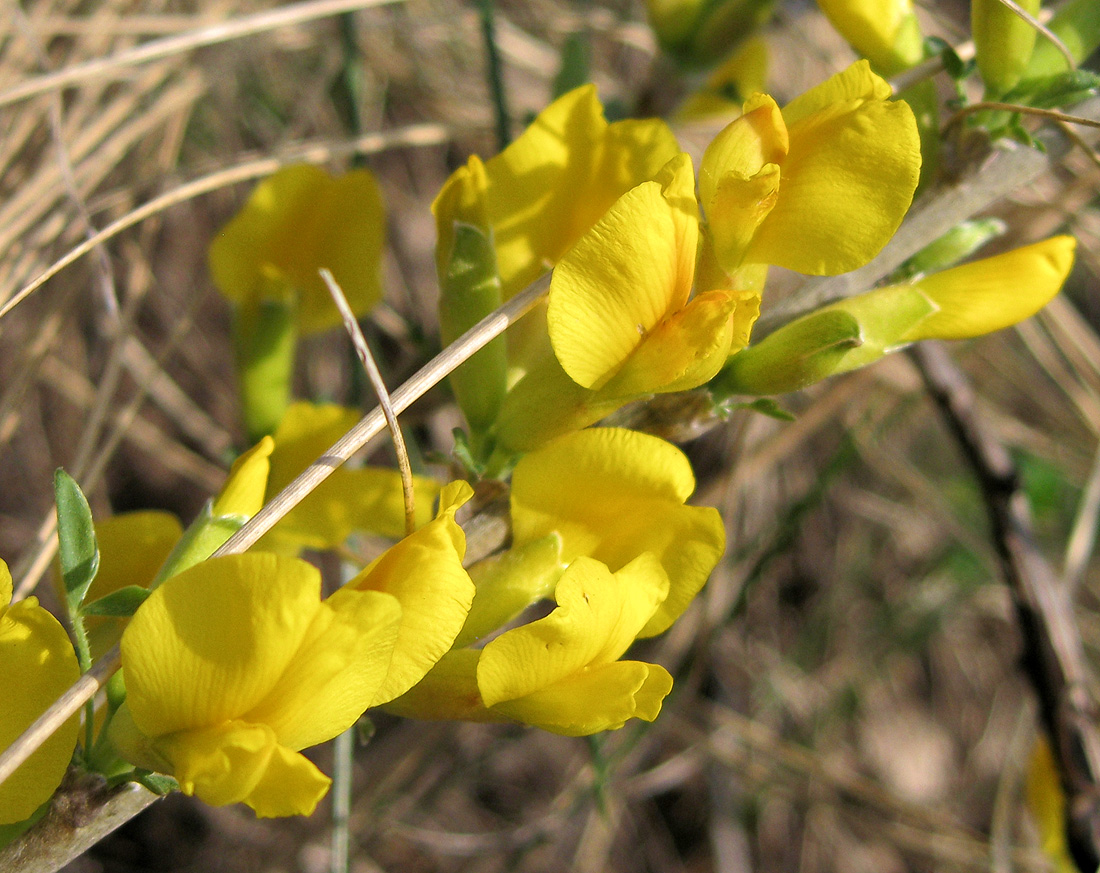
(886, 32)
(611, 494)
(819, 187)
(561, 673)
(621, 318)
(40, 664)
(296, 221)
(235, 664)
(424, 573)
(365, 499)
(960, 303)
(555, 181)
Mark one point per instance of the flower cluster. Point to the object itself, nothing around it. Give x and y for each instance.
(233, 665)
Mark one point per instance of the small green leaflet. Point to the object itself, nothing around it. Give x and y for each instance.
(77, 547)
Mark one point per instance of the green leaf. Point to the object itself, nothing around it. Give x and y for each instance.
(123, 602)
(77, 548)
(1060, 89)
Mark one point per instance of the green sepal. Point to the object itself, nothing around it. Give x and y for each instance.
(265, 334)
(158, 783)
(799, 354)
(470, 289)
(841, 337)
(953, 65)
(201, 539)
(77, 549)
(765, 406)
(123, 602)
(464, 454)
(954, 246)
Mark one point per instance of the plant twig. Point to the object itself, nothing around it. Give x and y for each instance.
(351, 324)
(1053, 656)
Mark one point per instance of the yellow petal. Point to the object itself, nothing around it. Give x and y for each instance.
(211, 642)
(336, 671)
(306, 431)
(545, 404)
(682, 352)
(846, 183)
(237, 762)
(623, 278)
(611, 494)
(736, 211)
(295, 222)
(560, 176)
(132, 548)
(857, 84)
(291, 785)
(39, 665)
(600, 699)
(449, 692)
(424, 572)
(994, 293)
(506, 584)
(243, 492)
(744, 147)
(597, 618)
(1046, 801)
(367, 499)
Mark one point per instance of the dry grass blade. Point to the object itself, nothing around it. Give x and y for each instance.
(283, 17)
(416, 135)
(362, 350)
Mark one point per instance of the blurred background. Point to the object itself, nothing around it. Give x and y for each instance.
(849, 695)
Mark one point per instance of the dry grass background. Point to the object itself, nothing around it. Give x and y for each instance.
(848, 691)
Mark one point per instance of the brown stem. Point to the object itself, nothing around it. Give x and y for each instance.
(1053, 656)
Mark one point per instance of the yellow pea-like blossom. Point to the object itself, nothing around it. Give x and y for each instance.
(236, 664)
(40, 664)
(424, 573)
(622, 319)
(611, 494)
(296, 221)
(547, 188)
(962, 302)
(365, 498)
(562, 673)
(817, 187)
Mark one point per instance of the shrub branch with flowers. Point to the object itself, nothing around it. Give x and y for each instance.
(632, 272)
